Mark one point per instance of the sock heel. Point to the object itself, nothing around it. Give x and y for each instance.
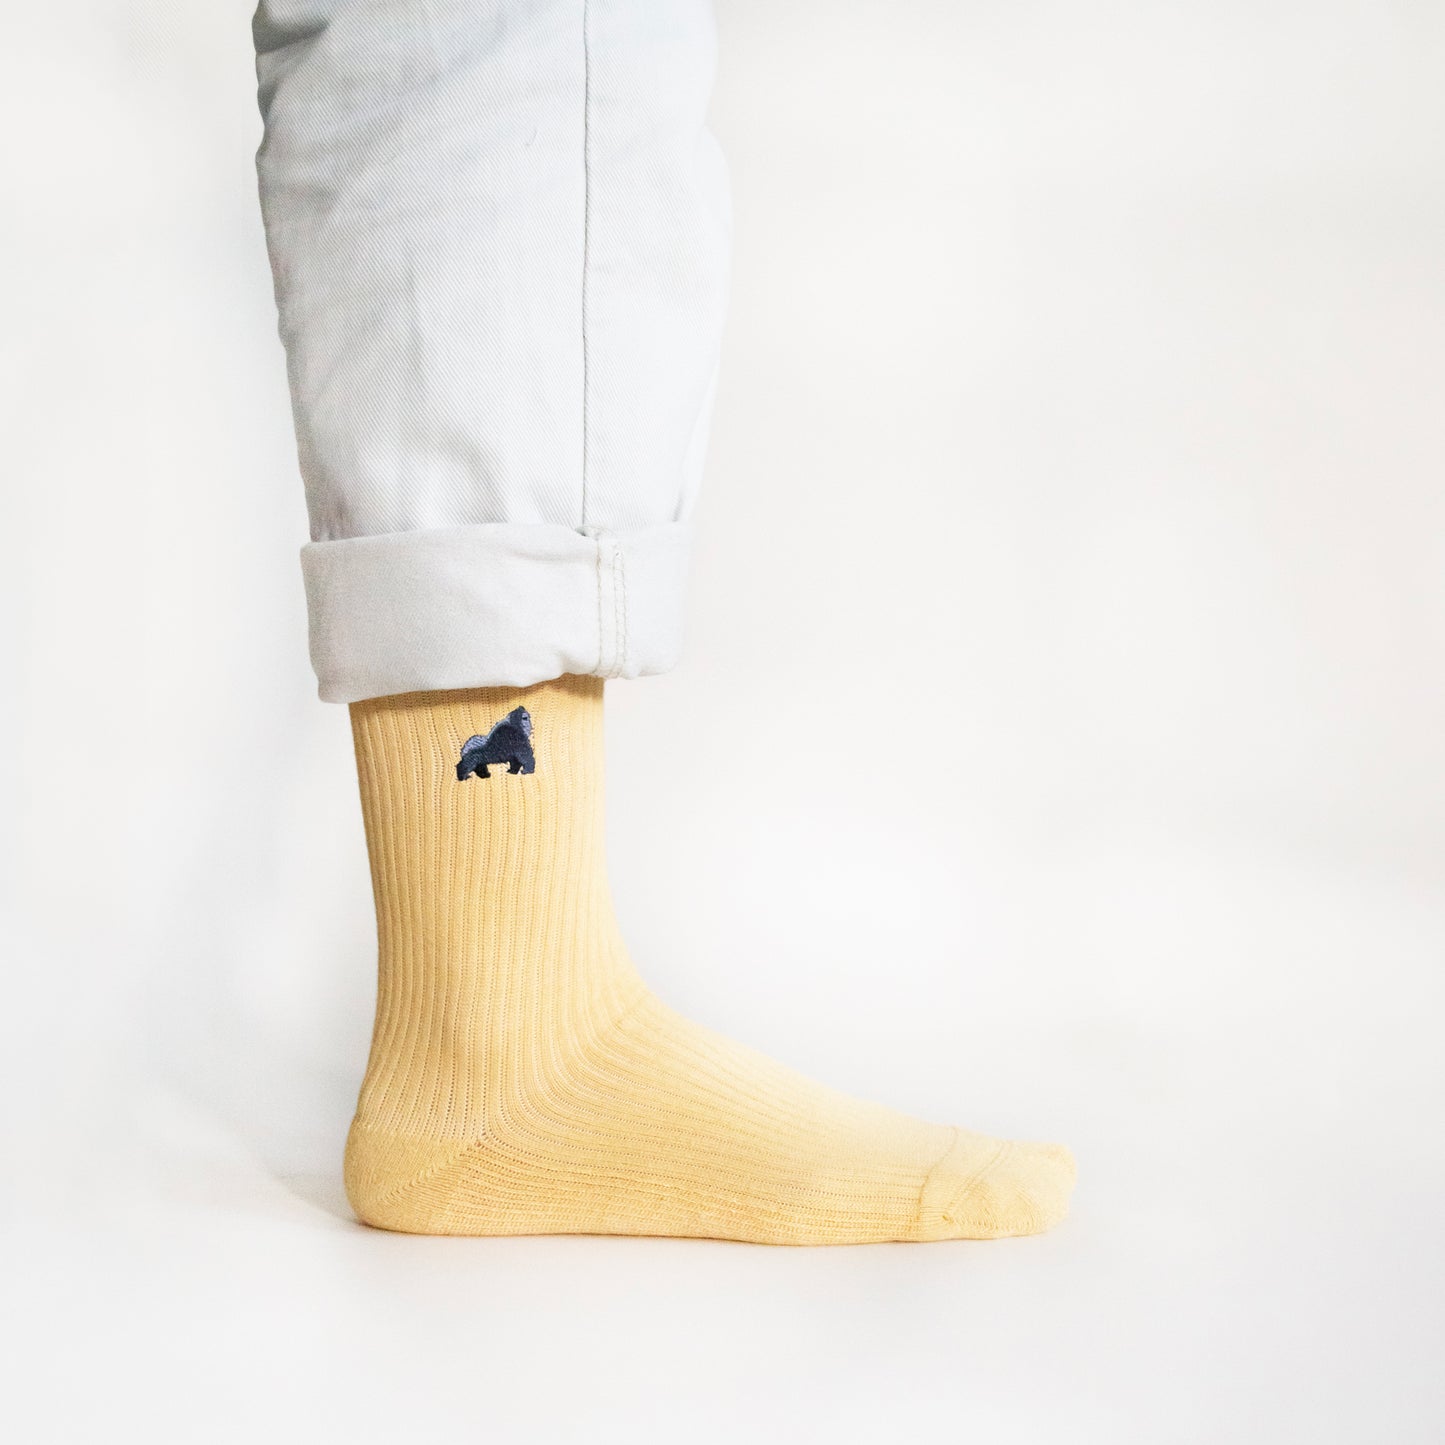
(386, 1177)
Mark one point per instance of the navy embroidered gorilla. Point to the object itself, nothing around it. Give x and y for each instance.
(510, 742)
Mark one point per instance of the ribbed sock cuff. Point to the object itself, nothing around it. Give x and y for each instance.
(498, 605)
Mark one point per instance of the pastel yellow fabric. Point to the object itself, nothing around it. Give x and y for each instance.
(523, 1080)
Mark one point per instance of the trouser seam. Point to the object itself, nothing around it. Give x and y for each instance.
(586, 255)
(621, 579)
(601, 614)
(613, 642)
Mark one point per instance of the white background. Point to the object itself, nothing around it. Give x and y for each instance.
(1081, 435)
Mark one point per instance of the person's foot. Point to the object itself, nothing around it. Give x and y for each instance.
(522, 1078)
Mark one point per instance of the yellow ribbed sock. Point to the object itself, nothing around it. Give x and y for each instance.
(523, 1080)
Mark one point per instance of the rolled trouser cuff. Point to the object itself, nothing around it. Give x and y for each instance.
(497, 605)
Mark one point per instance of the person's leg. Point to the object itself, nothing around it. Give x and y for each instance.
(499, 237)
(498, 241)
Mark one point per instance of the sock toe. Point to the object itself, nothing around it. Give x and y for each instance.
(992, 1188)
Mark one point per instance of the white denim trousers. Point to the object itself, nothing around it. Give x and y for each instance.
(499, 234)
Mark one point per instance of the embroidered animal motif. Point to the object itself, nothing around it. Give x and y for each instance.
(510, 742)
